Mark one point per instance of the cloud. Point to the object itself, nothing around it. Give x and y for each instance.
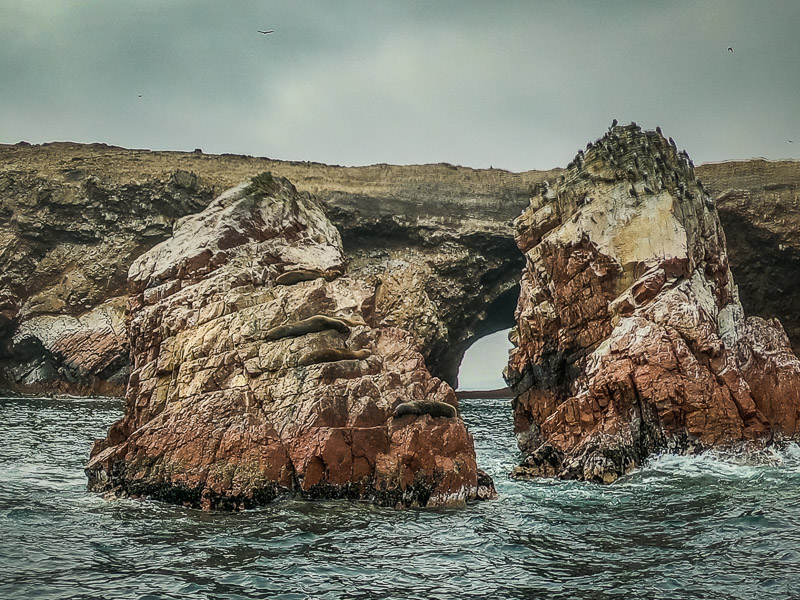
(518, 85)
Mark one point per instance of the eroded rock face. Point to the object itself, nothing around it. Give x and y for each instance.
(631, 338)
(759, 207)
(67, 237)
(73, 217)
(83, 353)
(259, 369)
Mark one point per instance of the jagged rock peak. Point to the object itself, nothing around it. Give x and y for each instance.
(645, 159)
(630, 335)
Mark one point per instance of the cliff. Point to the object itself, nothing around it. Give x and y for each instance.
(759, 207)
(436, 239)
(630, 337)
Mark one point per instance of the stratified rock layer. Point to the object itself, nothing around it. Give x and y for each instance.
(630, 336)
(73, 217)
(759, 207)
(67, 238)
(257, 371)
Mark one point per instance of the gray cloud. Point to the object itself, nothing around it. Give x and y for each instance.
(518, 85)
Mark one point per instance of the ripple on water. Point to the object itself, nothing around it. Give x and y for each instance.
(682, 527)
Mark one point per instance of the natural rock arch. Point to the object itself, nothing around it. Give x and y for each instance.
(448, 285)
(431, 252)
(113, 203)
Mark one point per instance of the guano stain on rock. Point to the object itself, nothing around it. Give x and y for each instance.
(225, 410)
(634, 293)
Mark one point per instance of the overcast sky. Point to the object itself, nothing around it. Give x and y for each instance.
(518, 85)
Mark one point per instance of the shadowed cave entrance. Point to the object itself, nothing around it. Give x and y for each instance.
(485, 354)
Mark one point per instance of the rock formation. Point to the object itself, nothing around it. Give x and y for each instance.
(630, 336)
(67, 238)
(76, 216)
(436, 240)
(251, 377)
(759, 206)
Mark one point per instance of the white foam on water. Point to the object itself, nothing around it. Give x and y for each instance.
(726, 464)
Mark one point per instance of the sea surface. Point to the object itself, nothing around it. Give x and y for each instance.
(702, 527)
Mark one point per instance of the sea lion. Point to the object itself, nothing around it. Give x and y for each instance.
(351, 322)
(298, 275)
(310, 325)
(326, 355)
(433, 408)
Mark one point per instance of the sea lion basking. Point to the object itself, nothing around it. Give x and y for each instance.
(433, 408)
(326, 355)
(298, 275)
(310, 325)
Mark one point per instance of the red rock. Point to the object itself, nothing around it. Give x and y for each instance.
(223, 409)
(630, 337)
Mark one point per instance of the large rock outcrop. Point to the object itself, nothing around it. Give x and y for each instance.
(759, 206)
(259, 368)
(67, 237)
(630, 336)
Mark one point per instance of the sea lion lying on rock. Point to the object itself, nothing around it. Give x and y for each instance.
(310, 325)
(433, 408)
(326, 355)
(351, 322)
(298, 275)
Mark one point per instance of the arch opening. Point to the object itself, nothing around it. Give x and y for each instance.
(485, 354)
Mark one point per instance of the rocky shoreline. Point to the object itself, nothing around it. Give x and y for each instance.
(264, 338)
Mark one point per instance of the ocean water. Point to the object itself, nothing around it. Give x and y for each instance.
(701, 527)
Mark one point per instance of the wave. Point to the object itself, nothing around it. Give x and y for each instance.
(727, 464)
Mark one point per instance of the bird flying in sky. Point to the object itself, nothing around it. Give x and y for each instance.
(730, 48)
(266, 32)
